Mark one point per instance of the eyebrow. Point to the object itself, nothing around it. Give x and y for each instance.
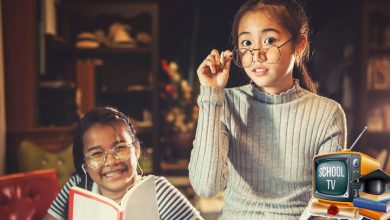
(101, 147)
(94, 147)
(267, 30)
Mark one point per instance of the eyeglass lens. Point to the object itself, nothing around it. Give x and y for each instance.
(97, 157)
(246, 57)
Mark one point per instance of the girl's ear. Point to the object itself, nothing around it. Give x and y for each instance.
(138, 151)
(301, 45)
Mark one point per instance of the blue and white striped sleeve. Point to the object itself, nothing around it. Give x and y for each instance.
(58, 208)
(172, 205)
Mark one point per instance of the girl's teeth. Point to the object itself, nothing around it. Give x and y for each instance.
(110, 174)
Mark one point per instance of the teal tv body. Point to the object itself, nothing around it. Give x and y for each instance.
(334, 177)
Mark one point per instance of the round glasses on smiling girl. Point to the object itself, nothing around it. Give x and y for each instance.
(96, 157)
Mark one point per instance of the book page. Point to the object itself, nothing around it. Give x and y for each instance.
(84, 204)
(140, 202)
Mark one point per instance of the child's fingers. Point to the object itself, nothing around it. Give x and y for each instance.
(210, 63)
(226, 58)
(228, 55)
(215, 54)
(222, 59)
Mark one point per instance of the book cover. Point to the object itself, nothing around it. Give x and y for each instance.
(382, 206)
(140, 202)
(375, 215)
(384, 196)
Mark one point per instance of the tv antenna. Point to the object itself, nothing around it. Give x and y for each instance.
(360, 135)
(336, 143)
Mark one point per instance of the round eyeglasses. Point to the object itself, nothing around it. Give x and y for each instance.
(96, 157)
(270, 54)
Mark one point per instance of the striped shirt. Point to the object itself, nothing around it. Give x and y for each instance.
(259, 148)
(172, 205)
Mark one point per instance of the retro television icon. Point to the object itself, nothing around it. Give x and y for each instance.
(335, 175)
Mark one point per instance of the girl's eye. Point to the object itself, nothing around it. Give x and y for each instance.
(246, 43)
(269, 41)
(95, 153)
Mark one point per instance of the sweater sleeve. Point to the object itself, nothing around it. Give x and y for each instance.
(208, 169)
(335, 135)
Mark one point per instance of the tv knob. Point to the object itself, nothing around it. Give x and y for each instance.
(355, 162)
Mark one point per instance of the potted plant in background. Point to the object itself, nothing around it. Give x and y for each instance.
(179, 112)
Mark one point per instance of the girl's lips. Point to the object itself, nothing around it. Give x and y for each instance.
(114, 173)
(259, 71)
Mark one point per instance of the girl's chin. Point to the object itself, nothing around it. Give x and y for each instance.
(117, 182)
(261, 83)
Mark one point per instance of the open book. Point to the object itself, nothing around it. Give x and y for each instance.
(140, 202)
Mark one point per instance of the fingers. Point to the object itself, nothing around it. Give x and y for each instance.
(215, 56)
(217, 62)
(210, 63)
(226, 58)
(222, 59)
(214, 70)
(227, 55)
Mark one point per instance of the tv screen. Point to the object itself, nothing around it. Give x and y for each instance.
(331, 177)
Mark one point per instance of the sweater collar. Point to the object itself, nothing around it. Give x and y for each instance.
(290, 95)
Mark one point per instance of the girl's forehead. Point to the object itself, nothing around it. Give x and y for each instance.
(115, 131)
(258, 18)
(259, 21)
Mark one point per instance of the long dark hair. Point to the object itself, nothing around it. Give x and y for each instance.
(101, 116)
(291, 15)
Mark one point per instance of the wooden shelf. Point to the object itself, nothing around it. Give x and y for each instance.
(379, 134)
(47, 66)
(379, 51)
(378, 139)
(179, 168)
(373, 47)
(379, 93)
(130, 90)
(70, 128)
(109, 51)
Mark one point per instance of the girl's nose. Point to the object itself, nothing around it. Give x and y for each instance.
(259, 55)
(111, 159)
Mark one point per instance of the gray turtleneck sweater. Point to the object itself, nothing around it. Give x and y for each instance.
(259, 148)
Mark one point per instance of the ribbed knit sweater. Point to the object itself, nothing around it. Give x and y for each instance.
(259, 148)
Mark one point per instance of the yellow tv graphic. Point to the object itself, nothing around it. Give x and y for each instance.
(335, 175)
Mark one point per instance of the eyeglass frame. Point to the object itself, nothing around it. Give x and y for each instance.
(111, 151)
(259, 49)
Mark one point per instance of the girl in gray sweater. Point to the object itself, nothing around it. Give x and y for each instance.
(257, 142)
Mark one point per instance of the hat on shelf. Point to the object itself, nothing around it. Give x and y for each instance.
(375, 182)
(87, 40)
(101, 37)
(119, 35)
(144, 38)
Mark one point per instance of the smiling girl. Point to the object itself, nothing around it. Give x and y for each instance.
(257, 141)
(105, 154)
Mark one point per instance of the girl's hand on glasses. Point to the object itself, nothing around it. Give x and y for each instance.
(214, 70)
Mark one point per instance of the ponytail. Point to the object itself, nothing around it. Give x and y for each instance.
(304, 77)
